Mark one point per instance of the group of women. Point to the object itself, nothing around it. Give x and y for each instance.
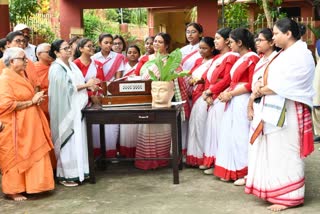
(250, 120)
(246, 117)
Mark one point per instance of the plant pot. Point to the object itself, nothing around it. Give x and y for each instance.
(162, 93)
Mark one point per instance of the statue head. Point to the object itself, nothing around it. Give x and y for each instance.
(162, 93)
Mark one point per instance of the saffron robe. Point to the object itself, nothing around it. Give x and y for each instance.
(25, 142)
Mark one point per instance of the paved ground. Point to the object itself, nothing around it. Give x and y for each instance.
(123, 189)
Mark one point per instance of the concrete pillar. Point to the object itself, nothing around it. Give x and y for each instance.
(208, 16)
(4, 17)
(70, 18)
(151, 22)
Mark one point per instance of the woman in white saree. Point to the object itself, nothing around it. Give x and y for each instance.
(67, 97)
(281, 130)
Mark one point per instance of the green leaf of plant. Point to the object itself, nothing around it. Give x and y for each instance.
(173, 62)
(152, 76)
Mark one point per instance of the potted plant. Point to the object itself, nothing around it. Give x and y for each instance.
(162, 86)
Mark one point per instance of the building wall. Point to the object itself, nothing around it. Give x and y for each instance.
(174, 24)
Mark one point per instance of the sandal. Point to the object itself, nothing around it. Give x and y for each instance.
(69, 183)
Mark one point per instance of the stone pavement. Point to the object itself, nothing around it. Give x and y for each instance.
(123, 189)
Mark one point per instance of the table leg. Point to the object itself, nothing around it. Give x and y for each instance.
(175, 155)
(102, 161)
(180, 141)
(90, 154)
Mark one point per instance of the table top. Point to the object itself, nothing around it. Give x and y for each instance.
(125, 108)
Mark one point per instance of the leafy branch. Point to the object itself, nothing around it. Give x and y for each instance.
(167, 66)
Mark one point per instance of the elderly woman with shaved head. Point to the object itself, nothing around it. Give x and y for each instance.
(25, 141)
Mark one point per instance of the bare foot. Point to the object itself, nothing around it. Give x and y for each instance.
(16, 197)
(277, 207)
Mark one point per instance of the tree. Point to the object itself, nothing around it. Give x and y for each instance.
(22, 10)
(112, 15)
(138, 16)
(270, 11)
(236, 15)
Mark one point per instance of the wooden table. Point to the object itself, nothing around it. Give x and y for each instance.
(135, 115)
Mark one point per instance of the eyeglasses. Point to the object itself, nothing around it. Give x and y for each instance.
(258, 40)
(191, 32)
(20, 41)
(22, 58)
(90, 46)
(67, 48)
(117, 43)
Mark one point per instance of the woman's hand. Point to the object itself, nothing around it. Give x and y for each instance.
(250, 112)
(191, 81)
(92, 84)
(38, 98)
(206, 94)
(256, 89)
(1, 126)
(225, 96)
(209, 101)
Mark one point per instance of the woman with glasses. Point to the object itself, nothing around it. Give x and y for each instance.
(265, 47)
(25, 142)
(90, 70)
(190, 53)
(119, 45)
(282, 130)
(67, 97)
(112, 64)
(16, 39)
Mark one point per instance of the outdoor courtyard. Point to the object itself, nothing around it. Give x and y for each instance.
(123, 189)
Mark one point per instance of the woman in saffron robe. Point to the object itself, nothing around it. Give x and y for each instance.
(25, 142)
(282, 129)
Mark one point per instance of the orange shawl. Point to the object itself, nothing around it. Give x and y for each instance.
(26, 137)
(42, 71)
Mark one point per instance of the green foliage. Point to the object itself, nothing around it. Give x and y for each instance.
(94, 26)
(45, 32)
(236, 15)
(274, 12)
(126, 15)
(315, 31)
(22, 10)
(112, 15)
(138, 16)
(316, 3)
(167, 66)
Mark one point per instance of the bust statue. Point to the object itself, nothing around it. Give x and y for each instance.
(162, 93)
